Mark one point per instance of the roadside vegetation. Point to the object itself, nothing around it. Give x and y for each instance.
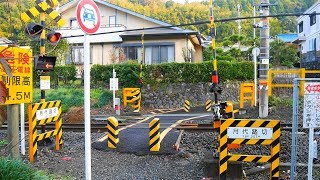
(16, 169)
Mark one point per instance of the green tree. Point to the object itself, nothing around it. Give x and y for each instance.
(283, 54)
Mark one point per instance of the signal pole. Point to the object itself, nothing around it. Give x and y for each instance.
(42, 53)
(264, 59)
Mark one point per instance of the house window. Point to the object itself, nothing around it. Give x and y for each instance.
(159, 54)
(112, 20)
(313, 18)
(77, 55)
(73, 23)
(153, 54)
(301, 27)
(312, 44)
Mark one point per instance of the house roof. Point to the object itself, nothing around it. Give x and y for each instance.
(75, 2)
(287, 38)
(158, 32)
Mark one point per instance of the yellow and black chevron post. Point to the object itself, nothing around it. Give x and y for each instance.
(186, 106)
(41, 114)
(136, 94)
(250, 132)
(154, 135)
(113, 132)
(208, 105)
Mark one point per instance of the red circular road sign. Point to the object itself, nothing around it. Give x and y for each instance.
(88, 16)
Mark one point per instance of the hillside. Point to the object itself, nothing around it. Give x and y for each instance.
(176, 13)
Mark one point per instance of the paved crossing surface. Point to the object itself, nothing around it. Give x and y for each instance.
(135, 138)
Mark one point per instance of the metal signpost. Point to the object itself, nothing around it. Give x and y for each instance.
(255, 53)
(88, 18)
(114, 86)
(311, 116)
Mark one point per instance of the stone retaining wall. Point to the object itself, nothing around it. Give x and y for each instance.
(173, 95)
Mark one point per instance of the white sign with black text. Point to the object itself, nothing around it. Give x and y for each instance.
(311, 111)
(47, 113)
(114, 84)
(249, 133)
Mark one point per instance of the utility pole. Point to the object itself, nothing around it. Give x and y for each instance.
(264, 59)
(239, 22)
(255, 57)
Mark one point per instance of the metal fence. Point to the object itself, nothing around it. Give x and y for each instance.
(300, 136)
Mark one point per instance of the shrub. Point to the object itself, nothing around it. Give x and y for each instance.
(17, 170)
(128, 74)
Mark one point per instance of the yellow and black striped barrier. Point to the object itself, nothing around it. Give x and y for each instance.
(154, 135)
(186, 106)
(136, 100)
(208, 105)
(41, 114)
(252, 132)
(113, 132)
(43, 7)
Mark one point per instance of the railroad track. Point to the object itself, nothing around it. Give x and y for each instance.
(75, 127)
(101, 127)
(209, 127)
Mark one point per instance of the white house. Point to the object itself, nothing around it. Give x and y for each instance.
(171, 44)
(308, 41)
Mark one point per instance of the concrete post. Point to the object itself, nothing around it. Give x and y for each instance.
(264, 59)
(13, 130)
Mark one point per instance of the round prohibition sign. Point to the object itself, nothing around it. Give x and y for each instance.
(88, 16)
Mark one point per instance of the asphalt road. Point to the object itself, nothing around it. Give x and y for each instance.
(135, 138)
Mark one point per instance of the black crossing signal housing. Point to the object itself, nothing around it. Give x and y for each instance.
(45, 63)
(54, 37)
(34, 30)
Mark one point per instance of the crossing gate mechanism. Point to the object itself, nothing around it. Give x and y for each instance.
(41, 114)
(250, 132)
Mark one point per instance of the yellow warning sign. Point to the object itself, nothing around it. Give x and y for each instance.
(15, 75)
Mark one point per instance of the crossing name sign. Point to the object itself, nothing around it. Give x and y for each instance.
(16, 88)
(311, 111)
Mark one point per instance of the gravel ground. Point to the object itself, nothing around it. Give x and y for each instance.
(186, 164)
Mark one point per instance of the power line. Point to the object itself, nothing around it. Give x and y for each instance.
(200, 23)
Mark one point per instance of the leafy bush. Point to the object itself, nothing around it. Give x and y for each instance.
(128, 74)
(280, 102)
(66, 74)
(73, 97)
(17, 170)
(104, 99)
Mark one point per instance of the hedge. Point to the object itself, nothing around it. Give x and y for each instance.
(128, 74)
(67, 74)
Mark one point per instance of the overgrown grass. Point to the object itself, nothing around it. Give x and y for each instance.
(74, 97)
(14, 169)
(278, 102)
(11, 169)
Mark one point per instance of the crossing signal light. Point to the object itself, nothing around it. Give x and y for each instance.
(34, 30)
(53, 37)
(45, 63)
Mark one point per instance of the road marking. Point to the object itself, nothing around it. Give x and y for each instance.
(166, 131)
(164, 111)
(103, 138)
